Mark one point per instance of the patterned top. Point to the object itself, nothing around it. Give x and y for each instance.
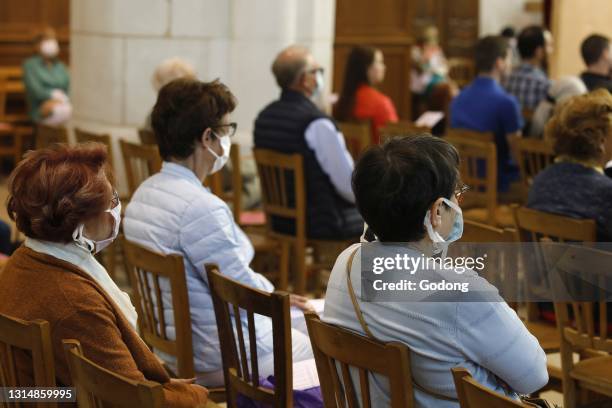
(528, 84)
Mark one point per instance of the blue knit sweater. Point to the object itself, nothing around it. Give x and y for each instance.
(576, 191)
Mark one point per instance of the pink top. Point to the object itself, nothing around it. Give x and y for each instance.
(374, 105)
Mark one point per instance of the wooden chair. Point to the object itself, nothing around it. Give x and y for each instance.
(15, 146)
(536, 226)
(582, 334)
(461, 70)
(471, 394)
(48, 135)
(546, 333)
(333, 346)
(83, 136)
(141, 161)
(229, 297)
(148, 272)
(276, 171)
(262, 241)
(32, 340)
(97, 387)
(400, 129)
(11, 83)
(533, 156)
(147, 136)
(358, 136)
(478, 169)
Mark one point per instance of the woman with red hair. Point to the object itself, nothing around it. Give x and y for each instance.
(62, 198)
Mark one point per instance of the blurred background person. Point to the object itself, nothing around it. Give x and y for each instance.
(359, 99)
(575, 185)
(509, 34)
(169, 70)
(528, 82)
(595, 51)
(429, 83)
(47, 82)
(560, 91)
(293, 124)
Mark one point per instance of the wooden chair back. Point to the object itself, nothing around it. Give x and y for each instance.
(48, 135)
(400, 129)
(533, 156)
(472, 394)
(147, 136)
(534, 226)
(283, 188)
(149, 272)
(11, 83)
(234, 195)
(31, 339)
(461, 70)
(583, 321)
(358, 136)
(501, 259)
(97, 387)
(141, 161)
(334, 346)
(84, 136)
(478, 168)
(232, 300)
(539, 226)
(477, 232)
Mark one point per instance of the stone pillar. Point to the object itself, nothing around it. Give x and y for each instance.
(116, 45)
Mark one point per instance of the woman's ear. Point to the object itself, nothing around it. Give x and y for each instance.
(436, 212)
(207, 138)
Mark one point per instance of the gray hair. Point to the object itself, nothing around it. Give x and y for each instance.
(171, 69)
(289, 64)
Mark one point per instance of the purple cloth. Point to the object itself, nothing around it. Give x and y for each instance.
(309, 398)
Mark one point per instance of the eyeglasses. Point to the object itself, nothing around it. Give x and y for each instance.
(320, 70)
(115, 199)
(232, 128)
(460, 191)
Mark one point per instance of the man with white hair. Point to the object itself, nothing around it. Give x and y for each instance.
(294, 124)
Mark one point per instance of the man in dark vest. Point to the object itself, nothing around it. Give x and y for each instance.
(294, 124)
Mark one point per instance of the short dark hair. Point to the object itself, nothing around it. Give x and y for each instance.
(488, 50)
(396, 183)
(185, 108)
(53, 190)
(508, 32)
(529, 40)
(592, 47)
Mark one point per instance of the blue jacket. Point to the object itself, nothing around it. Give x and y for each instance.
(173, 213)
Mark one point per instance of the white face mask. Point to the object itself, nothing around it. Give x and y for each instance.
(440, 244)
(226, 145)
(96, 246)
(49, 48)
(320, 83)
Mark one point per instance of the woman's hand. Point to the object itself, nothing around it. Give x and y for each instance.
(301, 302)
(183, 380)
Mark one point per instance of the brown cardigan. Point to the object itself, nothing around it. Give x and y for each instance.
(38, 286)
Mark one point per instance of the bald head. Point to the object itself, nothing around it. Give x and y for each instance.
(289, 64)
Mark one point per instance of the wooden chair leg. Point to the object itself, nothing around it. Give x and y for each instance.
(283, 267)
(300, 259)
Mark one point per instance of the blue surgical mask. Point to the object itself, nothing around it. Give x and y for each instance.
(441, 244)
